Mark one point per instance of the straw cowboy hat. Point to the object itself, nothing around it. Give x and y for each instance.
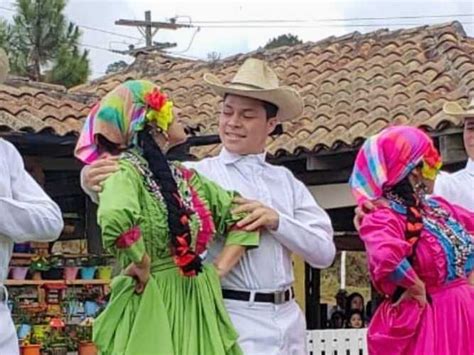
(255, 79)
(454, 109)
(4, 67)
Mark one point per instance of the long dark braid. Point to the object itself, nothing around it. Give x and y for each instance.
(178, 216)
(404, 193)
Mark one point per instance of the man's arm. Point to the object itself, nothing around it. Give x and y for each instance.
(29, 215)
(308, 232)
(93, 176)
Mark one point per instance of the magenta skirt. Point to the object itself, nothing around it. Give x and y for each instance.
(444, 327)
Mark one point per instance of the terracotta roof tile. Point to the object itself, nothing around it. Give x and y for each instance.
(36, 107)
(353, 86)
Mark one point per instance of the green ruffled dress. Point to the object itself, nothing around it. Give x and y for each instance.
(176, 314)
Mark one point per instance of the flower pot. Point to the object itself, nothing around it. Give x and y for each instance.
(22, 248)
(87, 349)
(52, 274)
(19, 272)
(104, 273)
(36, 275)
(58, 350)
(70, 272)
(90, 308)
(31, 349)
(88, 272)
(23, 330)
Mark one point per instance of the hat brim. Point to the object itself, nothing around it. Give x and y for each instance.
(289, 102)
(454, 109)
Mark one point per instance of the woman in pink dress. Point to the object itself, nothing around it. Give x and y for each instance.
(419, 248)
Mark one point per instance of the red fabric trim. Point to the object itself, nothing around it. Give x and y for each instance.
(128, 238)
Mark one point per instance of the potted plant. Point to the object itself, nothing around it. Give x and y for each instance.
(30, 345)
(88, 267)
(55, 271)
(56, 342)
(23, 319)
(70, 269)
(39, 263)
(84, 335)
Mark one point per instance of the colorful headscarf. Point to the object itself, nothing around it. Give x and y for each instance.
(121, 114)
(388, 157)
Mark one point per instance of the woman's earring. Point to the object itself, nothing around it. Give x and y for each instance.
(421, 189)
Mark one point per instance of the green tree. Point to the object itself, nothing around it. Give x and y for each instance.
(116, 67)
(40, 38)
(283, 40)
(70, 67)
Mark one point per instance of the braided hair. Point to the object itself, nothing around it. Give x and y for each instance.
(178, 215)
(404, 193)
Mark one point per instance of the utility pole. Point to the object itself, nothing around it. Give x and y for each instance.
(148, 29)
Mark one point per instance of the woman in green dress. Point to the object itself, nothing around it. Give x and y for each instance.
(157, 218)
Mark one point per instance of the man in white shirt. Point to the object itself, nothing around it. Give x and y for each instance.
(27, 214)
(458, 187)
(258, 292)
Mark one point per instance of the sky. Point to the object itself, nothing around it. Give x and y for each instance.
(309, 20)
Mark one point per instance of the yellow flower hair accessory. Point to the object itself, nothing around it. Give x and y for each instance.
(160, 109)
(429, 172)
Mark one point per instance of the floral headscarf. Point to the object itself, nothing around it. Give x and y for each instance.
(388, 157)
(121, 114)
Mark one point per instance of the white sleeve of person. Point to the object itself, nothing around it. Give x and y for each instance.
(28, 213)
(308, 232)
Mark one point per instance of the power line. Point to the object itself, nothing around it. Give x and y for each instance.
(331, 19)
(90, 28)
(378, 25)
(96, 47)
(190, 42)
(108, 32)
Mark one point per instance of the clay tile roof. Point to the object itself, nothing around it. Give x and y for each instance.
(353, 86)
(39, 107)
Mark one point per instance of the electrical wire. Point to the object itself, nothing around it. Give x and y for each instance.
(330, 19)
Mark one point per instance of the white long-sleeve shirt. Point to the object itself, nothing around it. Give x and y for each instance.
(458, 187)
(304, 227)
(26, 212)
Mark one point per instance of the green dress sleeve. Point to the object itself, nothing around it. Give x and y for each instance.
(119, 213)
(220, 203)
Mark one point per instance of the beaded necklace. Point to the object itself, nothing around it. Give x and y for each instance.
(449, 232)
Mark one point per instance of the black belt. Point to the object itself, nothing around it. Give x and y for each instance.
(278, 297)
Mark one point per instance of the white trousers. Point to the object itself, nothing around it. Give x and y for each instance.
(269, 329)
(8, 339)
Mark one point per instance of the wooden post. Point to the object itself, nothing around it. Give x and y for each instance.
(299, 285)
(343, 270)
(94, 240)
(148, 35)
(313, 296)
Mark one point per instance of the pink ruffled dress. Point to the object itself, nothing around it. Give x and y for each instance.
(443, 261)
